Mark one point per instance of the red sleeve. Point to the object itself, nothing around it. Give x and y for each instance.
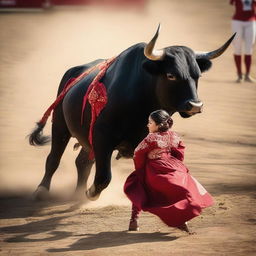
(178, 152)
(140, 153)
(231, 1)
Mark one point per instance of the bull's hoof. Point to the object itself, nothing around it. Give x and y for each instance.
(78, 195)
(91, 194)
(41, 194)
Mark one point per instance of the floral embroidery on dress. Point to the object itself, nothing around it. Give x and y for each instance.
(160, 142)
(164, 143)
(141, 146)
(152, 136)
(155, 153)
(175, 139)
(170, 139)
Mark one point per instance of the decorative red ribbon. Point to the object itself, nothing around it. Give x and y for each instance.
(96, 95)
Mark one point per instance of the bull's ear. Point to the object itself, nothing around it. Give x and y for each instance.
(204, 64)
(152, 67)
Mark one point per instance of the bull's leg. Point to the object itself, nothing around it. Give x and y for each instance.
(60, 139)
(101, 180)
(83, 165)
(103, 151)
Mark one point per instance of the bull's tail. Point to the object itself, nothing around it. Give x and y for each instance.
(36, 138)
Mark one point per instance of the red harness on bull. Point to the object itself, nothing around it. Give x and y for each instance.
(96, 95)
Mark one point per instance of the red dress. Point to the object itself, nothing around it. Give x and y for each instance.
(161, 183)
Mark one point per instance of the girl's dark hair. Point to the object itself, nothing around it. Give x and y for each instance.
(162, 119)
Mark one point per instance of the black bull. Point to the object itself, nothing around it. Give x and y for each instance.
(140, 80)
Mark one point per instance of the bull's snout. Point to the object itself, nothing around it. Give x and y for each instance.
(190, 108)
(194, 107)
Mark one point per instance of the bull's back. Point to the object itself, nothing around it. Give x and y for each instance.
(75, 72)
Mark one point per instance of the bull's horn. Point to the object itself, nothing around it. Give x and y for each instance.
(216, 53)
(149, 51)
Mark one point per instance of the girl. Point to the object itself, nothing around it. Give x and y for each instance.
(161, 183)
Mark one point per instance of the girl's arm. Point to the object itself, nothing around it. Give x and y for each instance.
(141, 151)
(178, 152)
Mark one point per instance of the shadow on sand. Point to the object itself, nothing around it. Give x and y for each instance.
(36, 228)
(233, 188)
(46, 229)
(112, 239)
(22, 206)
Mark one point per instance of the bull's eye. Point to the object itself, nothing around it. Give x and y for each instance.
(170, 77)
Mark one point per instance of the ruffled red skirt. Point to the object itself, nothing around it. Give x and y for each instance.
(165, 188)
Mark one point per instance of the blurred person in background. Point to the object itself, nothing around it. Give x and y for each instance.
(244, 24)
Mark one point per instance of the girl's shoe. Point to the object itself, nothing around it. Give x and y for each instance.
(185, 228)
(133, 225)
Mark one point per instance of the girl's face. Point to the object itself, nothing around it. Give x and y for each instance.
(152, 126)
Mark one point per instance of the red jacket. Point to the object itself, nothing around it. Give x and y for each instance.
(245, 10)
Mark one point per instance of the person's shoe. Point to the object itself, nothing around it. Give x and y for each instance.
(239, 79)
(249, 79)
(186, 229)
(133, 225)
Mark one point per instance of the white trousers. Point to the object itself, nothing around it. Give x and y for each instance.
(245, 36)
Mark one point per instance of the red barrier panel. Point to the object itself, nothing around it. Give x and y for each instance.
(81, 2)
(23, 3)
(69, 2)
(47, 3)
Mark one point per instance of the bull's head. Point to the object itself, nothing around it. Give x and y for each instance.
(178, 69)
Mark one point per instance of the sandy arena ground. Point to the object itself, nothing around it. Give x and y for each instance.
(35, 51)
